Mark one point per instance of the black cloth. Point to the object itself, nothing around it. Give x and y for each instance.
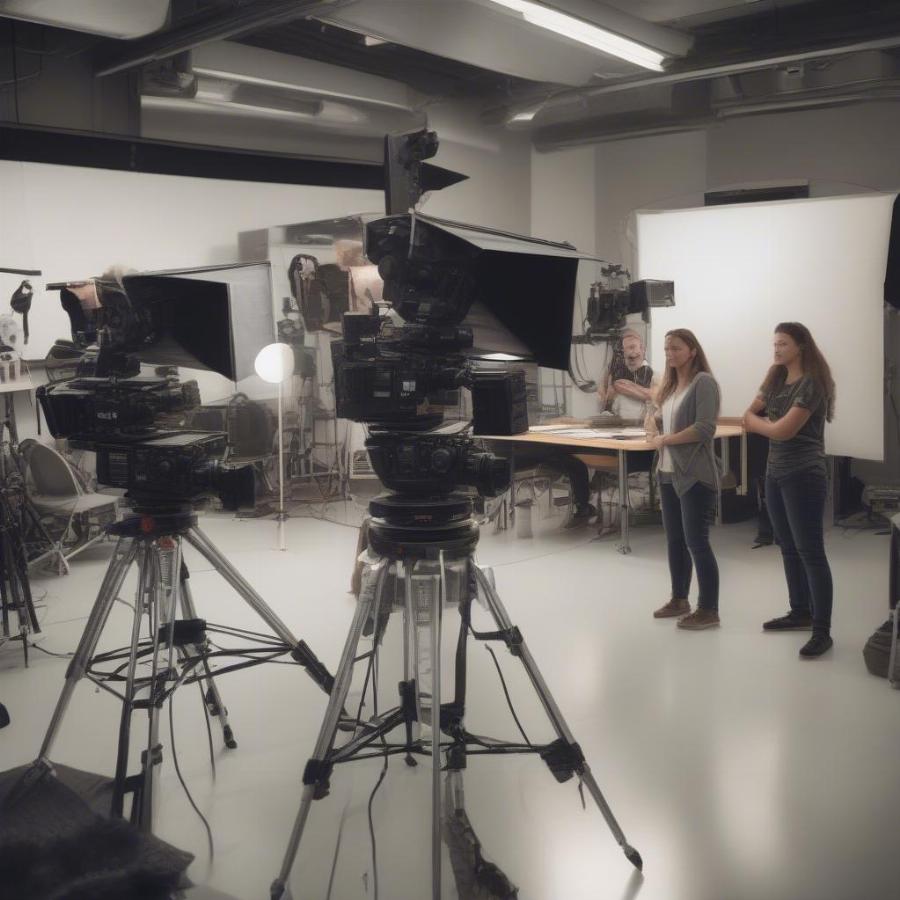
(54, 846)
(687, 520)
(807, 448)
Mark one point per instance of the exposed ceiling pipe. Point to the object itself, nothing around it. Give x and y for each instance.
(599, 131)
(217, 28)
(579, 95)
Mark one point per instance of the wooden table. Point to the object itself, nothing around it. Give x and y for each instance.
(621, 447)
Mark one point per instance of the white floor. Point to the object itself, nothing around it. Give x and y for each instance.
(737, 770)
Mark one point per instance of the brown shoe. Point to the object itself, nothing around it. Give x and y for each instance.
(701, 618)
(673, 608)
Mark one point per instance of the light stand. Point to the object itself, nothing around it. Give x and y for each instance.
(275, 364)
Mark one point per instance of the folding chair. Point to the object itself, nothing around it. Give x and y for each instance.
(79, 518)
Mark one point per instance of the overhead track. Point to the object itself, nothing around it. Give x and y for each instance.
(213, 28)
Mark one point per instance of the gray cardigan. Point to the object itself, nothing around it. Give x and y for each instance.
(696, 461)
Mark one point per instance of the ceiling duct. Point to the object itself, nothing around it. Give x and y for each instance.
(227, 79)
(666, 108)
(123, 19)
(578, 99)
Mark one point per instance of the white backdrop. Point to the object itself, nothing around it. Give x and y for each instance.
(740, 270)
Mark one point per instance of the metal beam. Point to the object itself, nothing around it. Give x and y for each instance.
(261, 14)
(102, 151)
(579, 95)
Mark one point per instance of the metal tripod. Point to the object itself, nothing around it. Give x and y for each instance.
(15, 588)
(421, 578)
(16, 512)
(175, 650)
(13, 469)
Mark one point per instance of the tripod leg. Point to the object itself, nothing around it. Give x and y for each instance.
(21, 598)
(121, 561)
(211, 695)
(436, 609)
(575, 760)
(411, 670)
(318, 767)
(158, 565)
(142, 603)
(164, 556)
(300, 650)
(4, 600)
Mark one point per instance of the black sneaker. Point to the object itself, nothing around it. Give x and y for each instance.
(791, 622)
(581, 516)
(816, 646)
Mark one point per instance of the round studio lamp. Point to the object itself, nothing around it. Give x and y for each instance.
(275, 365)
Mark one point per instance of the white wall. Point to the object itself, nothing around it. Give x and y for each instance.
(559, 184)
(839, 150)
(664, 172)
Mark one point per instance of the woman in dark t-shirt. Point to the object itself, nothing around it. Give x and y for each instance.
(794, 402)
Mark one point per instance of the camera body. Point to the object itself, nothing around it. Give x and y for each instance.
(435, 464)
(397, 376)
(175, 318)
(172, 465)
(87, 408)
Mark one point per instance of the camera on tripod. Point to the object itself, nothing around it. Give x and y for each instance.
(461, 300)
(615, 298)
(212, 318)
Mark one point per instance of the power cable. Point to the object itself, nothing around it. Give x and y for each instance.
(187, 793)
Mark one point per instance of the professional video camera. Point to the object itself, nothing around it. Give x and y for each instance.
(211, 318)
(460, 298)
(615, 298)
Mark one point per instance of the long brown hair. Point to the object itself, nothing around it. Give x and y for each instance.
(812, 360)
(700, 363)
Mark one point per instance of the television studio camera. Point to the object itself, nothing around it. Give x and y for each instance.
(214, 318)
(103, 403)
(456, 299)
(616, 305)
(461, 299)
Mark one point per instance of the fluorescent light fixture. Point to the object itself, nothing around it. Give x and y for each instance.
(525, 115)
(585, 33)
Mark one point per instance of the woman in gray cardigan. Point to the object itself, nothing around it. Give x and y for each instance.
(684, 426)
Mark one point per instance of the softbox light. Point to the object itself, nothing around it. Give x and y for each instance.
(517, 293)
(215, 317)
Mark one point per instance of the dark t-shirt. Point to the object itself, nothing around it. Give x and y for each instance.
(807, 447)
(642, 376)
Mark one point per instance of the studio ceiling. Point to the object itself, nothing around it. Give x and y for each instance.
(387, 61)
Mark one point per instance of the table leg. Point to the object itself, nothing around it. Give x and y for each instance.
(743, 487)
(512, 484)
(624, 503)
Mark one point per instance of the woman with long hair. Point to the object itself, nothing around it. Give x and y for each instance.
(687, 406)
(795, 401)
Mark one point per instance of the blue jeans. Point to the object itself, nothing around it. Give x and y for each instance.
(687, 520)
(796, 505)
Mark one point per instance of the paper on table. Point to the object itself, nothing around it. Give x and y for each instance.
(588, 433)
